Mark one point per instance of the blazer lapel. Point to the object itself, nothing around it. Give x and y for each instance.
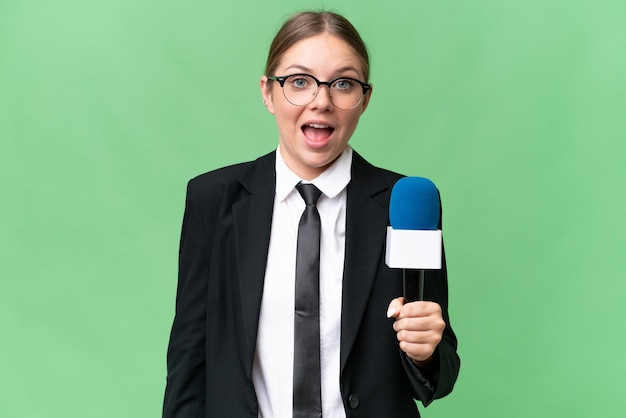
(367, 218)
(252, 224)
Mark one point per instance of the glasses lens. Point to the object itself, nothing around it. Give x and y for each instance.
(346, 93)
(300, 89)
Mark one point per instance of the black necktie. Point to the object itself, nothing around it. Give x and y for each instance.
(307, 385)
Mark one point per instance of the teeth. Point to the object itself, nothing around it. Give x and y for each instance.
(318, 126)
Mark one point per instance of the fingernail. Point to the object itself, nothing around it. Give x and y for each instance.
(390, 312)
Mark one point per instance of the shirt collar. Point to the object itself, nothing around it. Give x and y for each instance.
(331, 182)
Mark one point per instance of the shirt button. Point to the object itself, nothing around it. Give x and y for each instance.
(353, 400)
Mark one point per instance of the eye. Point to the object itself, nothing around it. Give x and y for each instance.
(344, 84)
(299, 81)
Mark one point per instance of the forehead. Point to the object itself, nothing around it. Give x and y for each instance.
(322, 54)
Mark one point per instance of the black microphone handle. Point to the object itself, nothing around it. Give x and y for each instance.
(413, 284)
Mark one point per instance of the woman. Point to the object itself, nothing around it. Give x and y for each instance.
(232, 351)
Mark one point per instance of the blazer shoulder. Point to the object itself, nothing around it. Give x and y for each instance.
(362, 169)
(245, 173)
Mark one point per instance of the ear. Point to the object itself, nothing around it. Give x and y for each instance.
(266, 91)
(366, 99)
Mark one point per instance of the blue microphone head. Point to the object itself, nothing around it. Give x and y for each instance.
(414, 204)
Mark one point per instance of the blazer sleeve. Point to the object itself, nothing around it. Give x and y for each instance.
(184, 393)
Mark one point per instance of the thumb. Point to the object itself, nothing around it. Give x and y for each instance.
(394, 307)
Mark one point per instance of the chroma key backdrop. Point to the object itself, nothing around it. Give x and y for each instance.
(515, 109)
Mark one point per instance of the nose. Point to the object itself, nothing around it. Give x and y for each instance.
(322, 98)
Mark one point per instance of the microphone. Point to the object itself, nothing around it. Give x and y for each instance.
(414, 242)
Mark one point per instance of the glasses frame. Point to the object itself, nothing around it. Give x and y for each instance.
(282, 78)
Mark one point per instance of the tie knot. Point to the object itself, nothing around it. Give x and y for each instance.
(309, 193)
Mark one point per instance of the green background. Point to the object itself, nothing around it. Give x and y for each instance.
(514, 108)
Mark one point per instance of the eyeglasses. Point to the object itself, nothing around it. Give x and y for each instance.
(301, 89)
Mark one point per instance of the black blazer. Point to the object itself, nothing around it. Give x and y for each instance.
(223, 252)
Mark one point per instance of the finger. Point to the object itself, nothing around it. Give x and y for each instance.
(395, 306)
(419, 337)
(419, 309)
(433, 323)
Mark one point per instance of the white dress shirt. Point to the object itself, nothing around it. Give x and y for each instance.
(272, 373)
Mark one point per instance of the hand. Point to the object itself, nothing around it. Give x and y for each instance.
(419, 328)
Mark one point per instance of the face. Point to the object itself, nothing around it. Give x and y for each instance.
(311, 137)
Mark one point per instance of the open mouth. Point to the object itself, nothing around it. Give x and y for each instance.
(317, 132)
